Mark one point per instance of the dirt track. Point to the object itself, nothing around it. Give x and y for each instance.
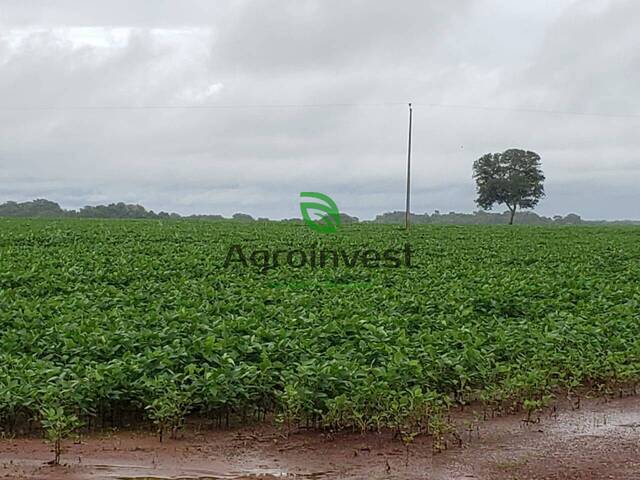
(601, 440)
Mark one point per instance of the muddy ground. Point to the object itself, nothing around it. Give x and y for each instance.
(600, 440)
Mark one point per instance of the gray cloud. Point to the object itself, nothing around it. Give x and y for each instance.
(56, 60)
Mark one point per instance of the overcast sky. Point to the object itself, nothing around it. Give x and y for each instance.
(312, 97)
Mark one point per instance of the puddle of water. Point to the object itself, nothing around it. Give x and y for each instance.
(280, 473)
(170, 478)
(602, 421)
(257, 473)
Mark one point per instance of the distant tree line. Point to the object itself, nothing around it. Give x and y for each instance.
(481, 218)
(42, 208)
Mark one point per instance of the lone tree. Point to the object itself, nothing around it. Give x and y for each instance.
(513, 177)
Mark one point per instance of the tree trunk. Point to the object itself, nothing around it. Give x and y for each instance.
(513, 213)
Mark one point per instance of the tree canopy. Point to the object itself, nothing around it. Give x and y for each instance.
(513, 178)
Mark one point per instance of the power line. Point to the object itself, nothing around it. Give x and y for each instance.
(529, 110)
(199, 107)
(310, 105)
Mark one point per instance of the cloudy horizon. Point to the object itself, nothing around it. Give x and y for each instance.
(237, 106)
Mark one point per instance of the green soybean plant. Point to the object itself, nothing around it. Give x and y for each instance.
(168, 409)
(57, 425)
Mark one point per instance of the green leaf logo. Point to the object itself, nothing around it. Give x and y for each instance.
(325, 209)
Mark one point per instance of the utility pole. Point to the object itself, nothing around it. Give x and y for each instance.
(406, 213)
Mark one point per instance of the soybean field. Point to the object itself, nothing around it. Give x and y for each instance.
(105, 322)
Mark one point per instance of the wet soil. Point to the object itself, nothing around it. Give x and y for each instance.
(600, 440)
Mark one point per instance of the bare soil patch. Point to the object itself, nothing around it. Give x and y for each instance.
(600, 440)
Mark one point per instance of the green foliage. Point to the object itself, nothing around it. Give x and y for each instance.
(513, 178)
(487, 218)
(100, 318)
(39, 208)
(169, 404)
(57, 425)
